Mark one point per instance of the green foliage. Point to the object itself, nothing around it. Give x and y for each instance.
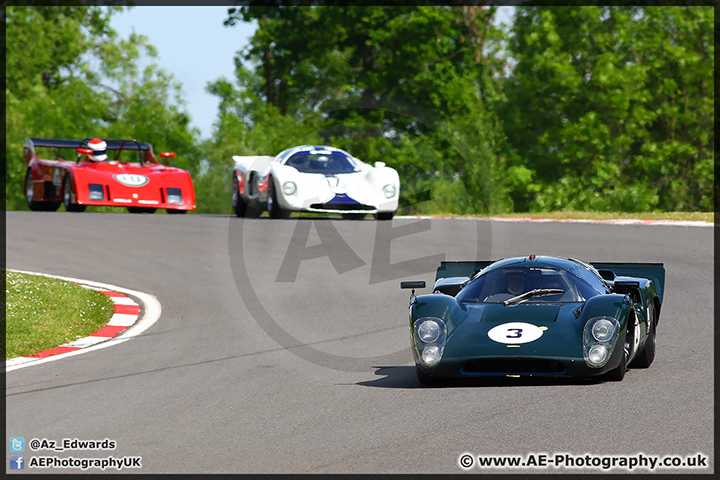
(610, 108)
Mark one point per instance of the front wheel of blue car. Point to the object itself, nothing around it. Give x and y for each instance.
(617, 374)
(424, 378)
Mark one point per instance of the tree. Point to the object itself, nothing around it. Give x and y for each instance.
(610, 108)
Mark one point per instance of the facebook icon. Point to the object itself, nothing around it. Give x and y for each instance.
(17, 462)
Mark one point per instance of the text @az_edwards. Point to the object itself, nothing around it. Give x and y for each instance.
(37, 444)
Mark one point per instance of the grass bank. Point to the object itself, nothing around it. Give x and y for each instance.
(42, 313)
(676, 216)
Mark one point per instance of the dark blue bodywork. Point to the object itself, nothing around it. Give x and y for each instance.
(546, 334)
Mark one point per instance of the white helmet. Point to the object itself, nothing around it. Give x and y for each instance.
(99, 147)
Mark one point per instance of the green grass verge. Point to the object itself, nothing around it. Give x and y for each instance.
(43, 313)
(675, 216)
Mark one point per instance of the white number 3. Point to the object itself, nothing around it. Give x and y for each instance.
(515, 332)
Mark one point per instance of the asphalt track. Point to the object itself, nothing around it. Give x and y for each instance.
(283, 347)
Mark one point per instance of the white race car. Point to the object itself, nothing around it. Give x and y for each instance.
(312, 178)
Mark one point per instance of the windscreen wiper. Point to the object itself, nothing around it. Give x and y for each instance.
(538, 292)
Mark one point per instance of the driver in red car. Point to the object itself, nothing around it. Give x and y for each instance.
(99, 148)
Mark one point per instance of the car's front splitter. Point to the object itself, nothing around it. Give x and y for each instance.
(520, 366)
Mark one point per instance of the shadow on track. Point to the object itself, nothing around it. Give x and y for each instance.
(403, 377)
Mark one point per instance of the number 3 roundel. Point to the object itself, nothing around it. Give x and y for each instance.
(515, 332)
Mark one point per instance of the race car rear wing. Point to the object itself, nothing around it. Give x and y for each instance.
(451, 275)
(651, 271)
(461, 268)
(112, 143)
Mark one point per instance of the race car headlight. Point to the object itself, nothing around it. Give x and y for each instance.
(289, 188)
(603, 330)
(389, 190)
(428, 331)
(174, 196)
(97, 192)
(599, 336)
(430, 336)
(597, 355)
(431, 355)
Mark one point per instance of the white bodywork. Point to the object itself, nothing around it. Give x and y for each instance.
(366, 190)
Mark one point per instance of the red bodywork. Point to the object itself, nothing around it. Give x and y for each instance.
(144, 183)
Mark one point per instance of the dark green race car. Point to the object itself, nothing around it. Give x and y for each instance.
(536, 316)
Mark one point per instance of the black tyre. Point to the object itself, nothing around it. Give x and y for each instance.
(175, 211)
(384, 215)
(141, 209)
(32, 203)
(646, 356)
(239, 205)
(424, 378)
(70, 205)
(274, 208)
(353, 216)
(617, 374)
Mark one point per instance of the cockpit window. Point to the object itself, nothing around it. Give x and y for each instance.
(590, 276)
(501, 284)
(322, 161)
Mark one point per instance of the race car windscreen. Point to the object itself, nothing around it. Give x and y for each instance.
(499, 285)
(321, 161)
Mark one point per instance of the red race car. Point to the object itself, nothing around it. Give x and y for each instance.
(109, 172)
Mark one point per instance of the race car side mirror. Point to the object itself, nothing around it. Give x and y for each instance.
(167, 156)
(413, 284)
(379, 164)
